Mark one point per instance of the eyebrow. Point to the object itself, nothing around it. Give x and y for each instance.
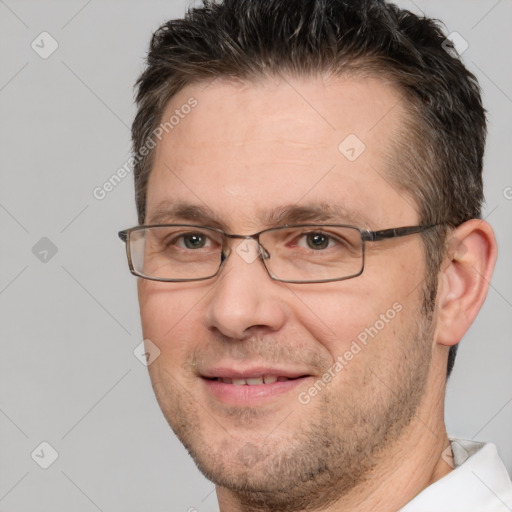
(317, 212)
(175, 212)
(170, 212)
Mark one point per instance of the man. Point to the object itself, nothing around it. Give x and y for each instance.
(310, 252)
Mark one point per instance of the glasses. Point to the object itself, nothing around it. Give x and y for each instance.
(303, 253)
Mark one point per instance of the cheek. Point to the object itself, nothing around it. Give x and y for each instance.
(335, 318)
(170, 318)
(366, 315)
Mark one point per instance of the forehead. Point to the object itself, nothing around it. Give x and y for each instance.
(245, 149)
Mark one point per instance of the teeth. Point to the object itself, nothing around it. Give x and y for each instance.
(254, 381)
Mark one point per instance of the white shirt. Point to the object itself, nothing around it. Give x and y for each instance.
(479, 482)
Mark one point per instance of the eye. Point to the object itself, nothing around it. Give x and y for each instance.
(193, 241)
(316, 241)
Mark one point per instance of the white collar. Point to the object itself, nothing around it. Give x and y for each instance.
(479, 483)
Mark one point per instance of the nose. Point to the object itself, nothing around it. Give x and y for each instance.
(244, 298)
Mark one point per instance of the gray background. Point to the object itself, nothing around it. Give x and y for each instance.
(69, 324)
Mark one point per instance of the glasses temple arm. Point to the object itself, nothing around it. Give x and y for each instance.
(374, 236)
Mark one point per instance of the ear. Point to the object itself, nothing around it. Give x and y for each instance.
(464, 279)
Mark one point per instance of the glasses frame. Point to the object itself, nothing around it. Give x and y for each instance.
(366, 236)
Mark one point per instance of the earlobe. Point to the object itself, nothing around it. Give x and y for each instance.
(464, 279)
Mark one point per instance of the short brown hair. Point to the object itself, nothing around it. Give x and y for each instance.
(438, 157)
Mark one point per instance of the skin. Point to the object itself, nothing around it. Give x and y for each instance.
(373, 437)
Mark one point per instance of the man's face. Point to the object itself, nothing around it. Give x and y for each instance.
(246, 158)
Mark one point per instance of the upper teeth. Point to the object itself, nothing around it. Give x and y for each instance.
(254, 381)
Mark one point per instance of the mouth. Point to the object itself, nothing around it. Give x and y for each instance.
(254, 381)
(250, 388)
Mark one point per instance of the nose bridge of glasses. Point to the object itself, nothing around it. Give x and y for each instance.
(249, 248)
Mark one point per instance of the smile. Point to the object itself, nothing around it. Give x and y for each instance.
(251, 388)
(254, 381)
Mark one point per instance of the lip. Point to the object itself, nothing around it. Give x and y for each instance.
(251, 395)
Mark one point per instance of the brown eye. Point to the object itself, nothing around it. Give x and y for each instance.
(317, 241)
(194, 241)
